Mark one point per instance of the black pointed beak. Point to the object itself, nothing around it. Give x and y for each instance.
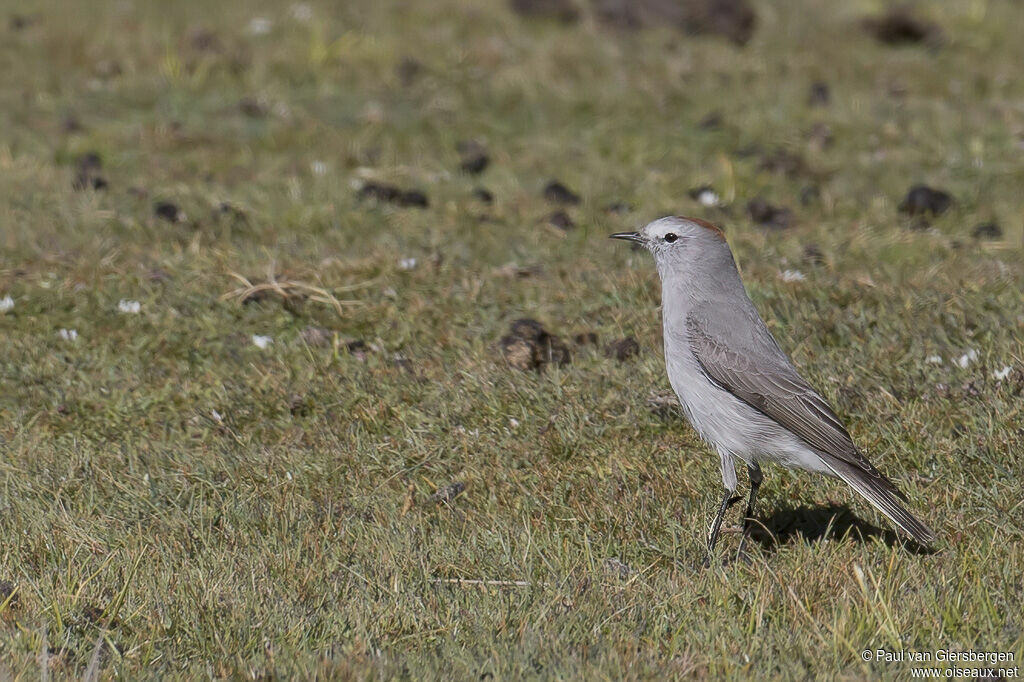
(628, 236)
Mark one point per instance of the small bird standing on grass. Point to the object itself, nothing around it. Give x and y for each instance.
(738, 389)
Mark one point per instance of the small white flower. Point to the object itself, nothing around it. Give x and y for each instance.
(793, 276)
(217, 416)
(6, 303)
(513, 422)
(259, 26)
(288, 475)
(967, 358)
(934, 359)
(708, 197)
(318, 168)
(68, 334)
(261, 342)
(301, 12)
(1002, 373)
(129, 307)
(407, 264)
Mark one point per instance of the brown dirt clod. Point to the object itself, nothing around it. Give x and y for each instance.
(529, 346)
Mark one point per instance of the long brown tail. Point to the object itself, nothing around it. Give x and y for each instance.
(875, 492)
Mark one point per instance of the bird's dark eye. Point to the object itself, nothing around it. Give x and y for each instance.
(671, 237)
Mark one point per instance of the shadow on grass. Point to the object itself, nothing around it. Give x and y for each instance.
(835, 522)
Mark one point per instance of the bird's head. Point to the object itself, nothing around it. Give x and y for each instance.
(676, 241)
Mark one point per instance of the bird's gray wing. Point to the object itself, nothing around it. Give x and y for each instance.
(750, 365)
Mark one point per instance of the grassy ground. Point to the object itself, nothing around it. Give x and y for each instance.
(177, 501)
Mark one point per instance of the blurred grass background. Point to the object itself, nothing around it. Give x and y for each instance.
(179, 502)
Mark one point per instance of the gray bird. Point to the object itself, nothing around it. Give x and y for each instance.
(738, 389)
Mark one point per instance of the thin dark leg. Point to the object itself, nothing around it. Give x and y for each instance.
(756, 477)
(716, 527)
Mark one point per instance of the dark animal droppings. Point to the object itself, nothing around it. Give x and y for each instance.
(204, 40)
(90, 162)
(168, 211)
(474, 157)
(712, 121)
(622, 349)
(88, 175)
(819, 94)
(299, 405)
(6, 590)
(561, 220)
(252, 107)
(585, 338)
(379, 191)
(414, 198)
(92, 613)
(408, 70)
(987, 231)
(924, 200)
(392, 194)
(899, 26)
(19, 22)
(71, 124)
(474, 164)
(766, 215)
(557, 193)
(529, 346)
